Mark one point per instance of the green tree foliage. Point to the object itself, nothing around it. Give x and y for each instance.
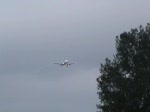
(124, 82)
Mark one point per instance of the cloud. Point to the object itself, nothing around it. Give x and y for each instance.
(32, 93)
(34, 34)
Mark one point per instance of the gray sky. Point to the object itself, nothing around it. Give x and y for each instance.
(36, 33)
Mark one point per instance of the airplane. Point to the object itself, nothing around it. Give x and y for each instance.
(64, 63)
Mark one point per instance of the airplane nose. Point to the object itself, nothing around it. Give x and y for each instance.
(66, 60)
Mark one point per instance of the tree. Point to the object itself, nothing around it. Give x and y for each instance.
(124, 83)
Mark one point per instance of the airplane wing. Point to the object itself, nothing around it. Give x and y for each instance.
(59, 64)
(71, 63)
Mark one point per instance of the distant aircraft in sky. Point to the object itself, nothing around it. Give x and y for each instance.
(64, 63)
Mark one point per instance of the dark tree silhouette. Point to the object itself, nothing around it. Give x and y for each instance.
(124, 82)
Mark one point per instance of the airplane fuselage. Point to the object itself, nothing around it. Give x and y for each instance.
(65, 64)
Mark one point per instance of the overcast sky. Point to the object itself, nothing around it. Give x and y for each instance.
(36, 33)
